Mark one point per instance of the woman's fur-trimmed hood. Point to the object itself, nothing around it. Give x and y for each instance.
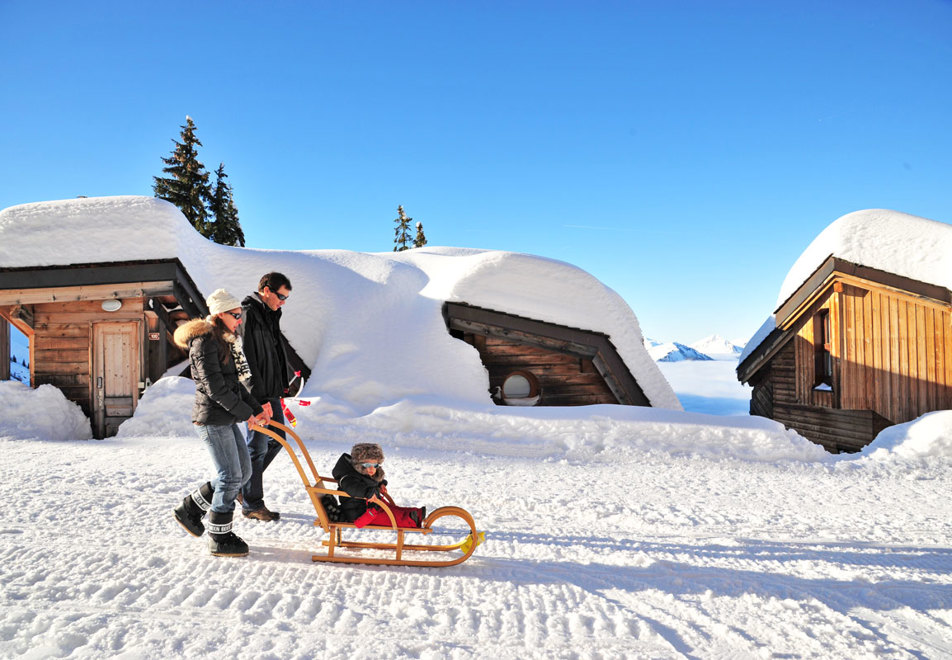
(185, 333)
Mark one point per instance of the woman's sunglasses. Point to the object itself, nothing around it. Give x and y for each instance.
(234, 315)
(370, 465)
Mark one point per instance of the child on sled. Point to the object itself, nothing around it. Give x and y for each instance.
(360, 474)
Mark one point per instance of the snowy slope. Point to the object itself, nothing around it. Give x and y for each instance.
(370, 324)
(654, 534)
(895, 242)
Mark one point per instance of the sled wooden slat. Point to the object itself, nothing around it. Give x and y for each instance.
(316, 486)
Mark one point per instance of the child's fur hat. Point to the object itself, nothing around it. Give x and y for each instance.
(365, 452)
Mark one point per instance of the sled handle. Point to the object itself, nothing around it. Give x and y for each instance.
(379, 502)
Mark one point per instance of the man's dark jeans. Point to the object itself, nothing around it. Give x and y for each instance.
(263, 450)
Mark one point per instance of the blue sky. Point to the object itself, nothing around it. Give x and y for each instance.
(685, 153)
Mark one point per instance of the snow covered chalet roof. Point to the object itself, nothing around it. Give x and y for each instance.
(370, 325)
(891, 241)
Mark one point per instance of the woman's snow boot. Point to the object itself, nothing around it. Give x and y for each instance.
(222, 542)
(190, 512)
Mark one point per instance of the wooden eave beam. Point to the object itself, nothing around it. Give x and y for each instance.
(617, 375)
(832, 271)
(135, 274)
(489, 330)
(13, 315)
(187, 293)
(191, 302)
(761, 355)
(805, 293)
(77, 293)
(779, 336)
(154, 306)
(836, 268)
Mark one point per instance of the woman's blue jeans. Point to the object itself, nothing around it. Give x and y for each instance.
(232, 463)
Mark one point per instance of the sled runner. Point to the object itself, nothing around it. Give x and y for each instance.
(452, 521)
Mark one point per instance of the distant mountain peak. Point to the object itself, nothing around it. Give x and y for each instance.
(672, 352)
(716, 345)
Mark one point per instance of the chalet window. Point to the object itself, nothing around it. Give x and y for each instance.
(520, 388)
(822, 351)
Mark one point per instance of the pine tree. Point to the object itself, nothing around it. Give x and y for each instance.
(187, 187)
(420, 239)
(401, 237)
(225, 227)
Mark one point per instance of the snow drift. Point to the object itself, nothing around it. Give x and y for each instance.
(43, 414)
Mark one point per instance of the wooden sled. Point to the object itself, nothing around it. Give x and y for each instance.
(335, 530)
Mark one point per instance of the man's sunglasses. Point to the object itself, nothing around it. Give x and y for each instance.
(370, 465)
(280, 296)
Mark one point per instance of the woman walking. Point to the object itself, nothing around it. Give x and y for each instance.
(221, 401)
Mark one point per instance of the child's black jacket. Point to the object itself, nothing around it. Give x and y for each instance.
(357, 485)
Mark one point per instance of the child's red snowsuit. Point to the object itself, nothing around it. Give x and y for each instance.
(404, 515)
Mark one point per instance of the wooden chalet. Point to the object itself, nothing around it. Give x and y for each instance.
(855, 350)
(533, 362)
(102, 332)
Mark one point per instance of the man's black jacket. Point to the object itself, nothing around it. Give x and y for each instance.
(264, 349)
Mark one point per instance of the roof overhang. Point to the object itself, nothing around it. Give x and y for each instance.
(587, 344)
(831, 271)
(97, 281)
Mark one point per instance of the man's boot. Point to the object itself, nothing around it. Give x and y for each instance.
(190, 512)
(222, 542)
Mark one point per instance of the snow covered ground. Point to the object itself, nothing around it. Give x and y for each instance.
(611, 533)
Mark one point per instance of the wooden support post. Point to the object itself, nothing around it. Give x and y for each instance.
(4, 349)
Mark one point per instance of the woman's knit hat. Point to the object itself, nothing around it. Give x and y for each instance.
(364, 452)
(221, 301)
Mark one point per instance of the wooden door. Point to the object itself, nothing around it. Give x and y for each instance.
(116, 359)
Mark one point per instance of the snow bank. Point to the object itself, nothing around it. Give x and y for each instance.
(925, 439)
(895, 242)
(579, 434)
(43, 414)
(370, 325)
(164, 409)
